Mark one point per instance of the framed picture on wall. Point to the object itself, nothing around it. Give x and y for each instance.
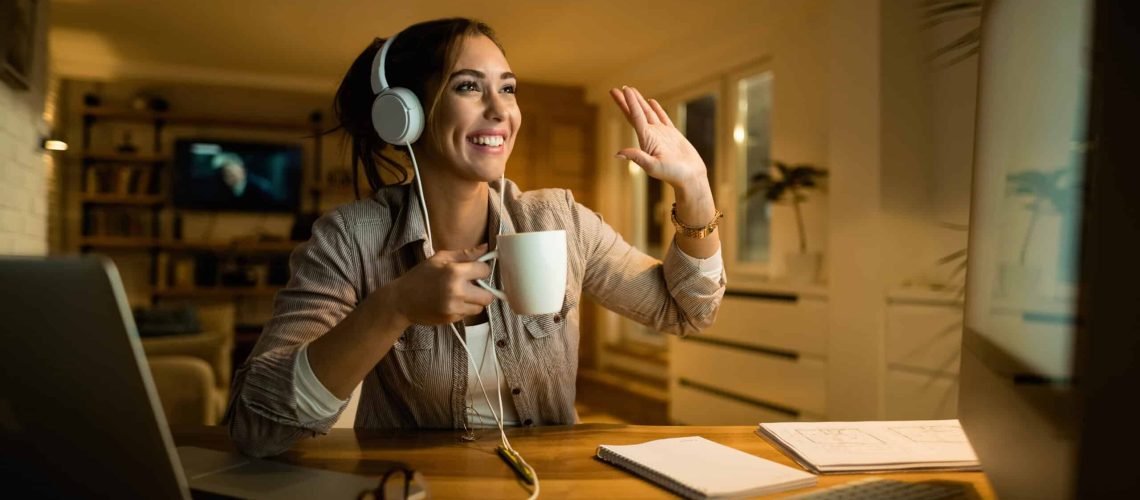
(17, 41)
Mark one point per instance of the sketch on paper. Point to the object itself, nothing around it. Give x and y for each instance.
(932, 433)
(846, 439)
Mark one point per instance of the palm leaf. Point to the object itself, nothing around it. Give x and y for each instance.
(776, 183)
(936, 12)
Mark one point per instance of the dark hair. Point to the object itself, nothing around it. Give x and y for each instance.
(417, 61)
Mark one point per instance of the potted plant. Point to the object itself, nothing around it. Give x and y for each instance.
(789, 183)
(1044, 191)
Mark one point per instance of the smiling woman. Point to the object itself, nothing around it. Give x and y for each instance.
(414, 62)
(389, 299)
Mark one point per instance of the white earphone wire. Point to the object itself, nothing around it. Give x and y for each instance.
(498, 416)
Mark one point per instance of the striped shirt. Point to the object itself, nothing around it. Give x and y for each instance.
(422, 382)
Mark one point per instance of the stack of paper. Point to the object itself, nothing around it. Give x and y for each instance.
(828, 447)
(695, 467)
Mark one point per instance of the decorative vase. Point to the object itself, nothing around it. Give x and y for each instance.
(802, 268)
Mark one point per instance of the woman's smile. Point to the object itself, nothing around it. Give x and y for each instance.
(488, 141)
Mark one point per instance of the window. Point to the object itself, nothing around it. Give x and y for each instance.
(751, 135)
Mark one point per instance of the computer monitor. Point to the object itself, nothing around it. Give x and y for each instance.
(1051, 345)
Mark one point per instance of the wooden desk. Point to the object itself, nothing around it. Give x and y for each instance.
(562, 456)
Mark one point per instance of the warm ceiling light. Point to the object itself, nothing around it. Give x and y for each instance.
(54, 145)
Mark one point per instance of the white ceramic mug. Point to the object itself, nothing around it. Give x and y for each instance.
(533, 271)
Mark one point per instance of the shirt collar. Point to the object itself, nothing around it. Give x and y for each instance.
(410, 227)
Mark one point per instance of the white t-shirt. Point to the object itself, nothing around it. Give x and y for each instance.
(479, 410)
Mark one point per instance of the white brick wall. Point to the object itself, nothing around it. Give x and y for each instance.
(24, 167)
(23, 174)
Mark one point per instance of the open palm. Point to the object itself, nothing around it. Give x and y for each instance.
(665, 153)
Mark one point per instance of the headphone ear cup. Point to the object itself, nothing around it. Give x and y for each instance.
(397, 116)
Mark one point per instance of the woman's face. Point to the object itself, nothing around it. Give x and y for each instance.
(477, 115)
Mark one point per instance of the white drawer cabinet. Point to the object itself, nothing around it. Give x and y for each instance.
(763, 361)
(696, 404)
(796, 384)
(798, 326)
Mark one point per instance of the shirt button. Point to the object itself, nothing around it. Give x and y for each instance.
(501, 343)
(516, 391)
(528, 422)
(557, 318)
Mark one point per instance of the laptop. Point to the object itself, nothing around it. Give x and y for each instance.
(79, 414)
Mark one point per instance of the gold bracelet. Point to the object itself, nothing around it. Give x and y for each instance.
(698, 232)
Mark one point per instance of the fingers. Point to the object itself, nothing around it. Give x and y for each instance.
(475, 294)
(638, 107)
(619, 98)
(465, 255)
(643, 159)
(468, 271)
(634, 114)
(661, 114)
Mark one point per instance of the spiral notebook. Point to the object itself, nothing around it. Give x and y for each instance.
(694, 467)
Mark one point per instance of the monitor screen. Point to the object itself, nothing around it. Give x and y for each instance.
(1017, 400)
(239, 176)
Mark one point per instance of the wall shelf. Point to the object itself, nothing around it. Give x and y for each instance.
(130, 115)
(114, 157)
(243, 247)
(119, 242)
(216, 292)
(124, 199)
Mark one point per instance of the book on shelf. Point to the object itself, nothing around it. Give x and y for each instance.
(121, 179)
(182, 272)
(117, 222)
(694, 467)
(879, 446)
(123, 174)
(162, 271)
(91, 180)
(142, 182)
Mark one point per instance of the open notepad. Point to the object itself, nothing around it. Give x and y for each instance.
(695, 467)
(827, 447)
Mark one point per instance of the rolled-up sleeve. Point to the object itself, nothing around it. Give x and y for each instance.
(672, 296)
(324, 288)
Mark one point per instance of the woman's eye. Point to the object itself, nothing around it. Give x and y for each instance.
(508, 89)
(467, 87)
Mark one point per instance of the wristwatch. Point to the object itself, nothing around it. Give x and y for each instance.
(698, 232)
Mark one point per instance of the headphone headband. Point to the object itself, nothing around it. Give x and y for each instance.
(379, 81)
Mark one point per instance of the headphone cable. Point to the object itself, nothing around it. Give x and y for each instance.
(499, 415)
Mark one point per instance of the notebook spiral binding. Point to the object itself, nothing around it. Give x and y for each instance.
(655, 477)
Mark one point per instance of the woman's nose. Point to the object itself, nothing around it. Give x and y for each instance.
(495, 107)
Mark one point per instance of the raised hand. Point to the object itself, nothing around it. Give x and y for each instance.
(665, 153)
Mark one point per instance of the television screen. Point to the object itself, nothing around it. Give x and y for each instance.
(239, 176)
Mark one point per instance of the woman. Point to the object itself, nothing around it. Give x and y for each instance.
(370, 300)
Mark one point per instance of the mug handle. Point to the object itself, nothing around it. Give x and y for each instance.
(487, 286)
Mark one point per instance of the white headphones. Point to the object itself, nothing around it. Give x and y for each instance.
(397, 114)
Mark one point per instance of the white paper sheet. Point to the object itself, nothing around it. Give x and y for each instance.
(879, 445)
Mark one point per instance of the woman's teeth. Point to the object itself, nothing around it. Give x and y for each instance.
(487, 140)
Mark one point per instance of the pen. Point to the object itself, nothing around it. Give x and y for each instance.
(515, 461)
